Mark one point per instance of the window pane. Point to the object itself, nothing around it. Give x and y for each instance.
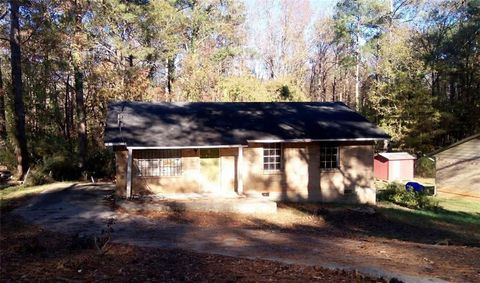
(328, 157)
(272, 156)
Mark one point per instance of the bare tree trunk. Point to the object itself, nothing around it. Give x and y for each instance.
(67, 103)
(19, 137)
(79, 99)
(357, 83)
(357, 71)
(3, 120)
(81, 126)
(170, 76)
(334, 84)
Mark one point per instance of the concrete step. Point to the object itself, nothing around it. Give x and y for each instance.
(239, 205)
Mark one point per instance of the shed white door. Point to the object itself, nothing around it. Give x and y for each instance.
(395, 170)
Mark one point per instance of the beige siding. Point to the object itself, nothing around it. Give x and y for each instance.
(300, 178)
(458, 169)
(467, 150)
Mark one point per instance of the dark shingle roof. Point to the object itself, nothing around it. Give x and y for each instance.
(230, 123)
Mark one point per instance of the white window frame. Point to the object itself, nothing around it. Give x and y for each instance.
(272, 159)
(326, 157)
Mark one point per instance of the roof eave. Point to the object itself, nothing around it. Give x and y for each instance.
(314, 140)
(115, 144)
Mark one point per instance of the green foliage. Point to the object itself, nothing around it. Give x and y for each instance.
(248, 88)
(245, 88)
(396, 193)
(56, 159)
(400, 102)
(7, 157)
(285, 89)
(61, 166)
(37, 177)
(425, 167)
(101, 163)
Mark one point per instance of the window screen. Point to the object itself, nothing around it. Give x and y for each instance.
(153, 163)
(328, 157)
(272, 157)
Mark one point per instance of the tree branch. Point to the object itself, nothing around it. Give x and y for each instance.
(4, 14)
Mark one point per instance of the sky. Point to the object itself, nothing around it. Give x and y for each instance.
(256, 22)
(318, 6)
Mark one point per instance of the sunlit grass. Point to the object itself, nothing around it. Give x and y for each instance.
(457, 216)
(14, 193)
(459, 204)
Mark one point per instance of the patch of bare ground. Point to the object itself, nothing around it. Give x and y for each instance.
(331, 220)
(29, 253)
(426, 250)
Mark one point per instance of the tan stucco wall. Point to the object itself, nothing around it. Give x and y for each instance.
(121, 156)
(189, 181)
(300, 179)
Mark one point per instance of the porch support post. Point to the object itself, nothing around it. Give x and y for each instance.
(129, 173)
(240, 171)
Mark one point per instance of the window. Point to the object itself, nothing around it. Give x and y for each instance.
(154, 163)
(272, 157)
(328, 157)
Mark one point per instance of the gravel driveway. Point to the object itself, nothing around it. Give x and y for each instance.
(80, 209)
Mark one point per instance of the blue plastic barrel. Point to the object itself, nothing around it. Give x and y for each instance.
(417, 187)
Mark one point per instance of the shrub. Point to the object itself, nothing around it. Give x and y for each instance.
(61, 166)
(54, 158)
(425, 167)
(7, 157)
(37, 177)
(396, 193)
(100, 163)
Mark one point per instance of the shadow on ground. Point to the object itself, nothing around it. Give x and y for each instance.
(334, 236)
(398, 223)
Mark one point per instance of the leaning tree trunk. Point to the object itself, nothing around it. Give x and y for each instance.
(3, 121)
(17, 92)
(79, 99)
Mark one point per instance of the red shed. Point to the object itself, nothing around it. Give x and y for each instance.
(391, 166)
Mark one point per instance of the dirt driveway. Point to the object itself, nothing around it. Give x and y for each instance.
(81, 210)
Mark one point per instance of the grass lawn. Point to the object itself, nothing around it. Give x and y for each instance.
(458, 217)
(11, 195)
(468, 205)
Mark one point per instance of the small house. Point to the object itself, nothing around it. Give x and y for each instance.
(458, 168)
(297, 151)
(394, 166)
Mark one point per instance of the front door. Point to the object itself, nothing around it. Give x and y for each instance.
(210, 169)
